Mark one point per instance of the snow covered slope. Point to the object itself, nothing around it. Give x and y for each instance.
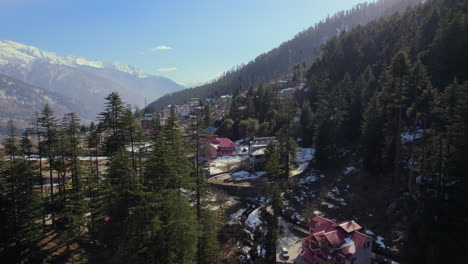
(84, 81)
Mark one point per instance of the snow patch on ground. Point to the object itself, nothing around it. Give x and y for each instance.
(225, 163)
(350, 170)
(214, 170)
(327, 204)
(305, 155)
(227, 160)
(317, 212)
(408, 135)
(380, 242)
(300, 169)
(369, 232)
(253, 221)
(296, 216)
(303, 159)
(307, 179)
(234, 219)
(261, 251)
(245, 175)
(334, 195)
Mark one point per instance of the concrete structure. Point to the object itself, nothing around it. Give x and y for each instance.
(257, 148)
(337, 243)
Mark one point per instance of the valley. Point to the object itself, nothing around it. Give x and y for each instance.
(345, 144)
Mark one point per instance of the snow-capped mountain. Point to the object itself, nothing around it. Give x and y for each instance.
(19, 101)
(85, 81)
(21, 55)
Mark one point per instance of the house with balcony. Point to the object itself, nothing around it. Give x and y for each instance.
(336, 243)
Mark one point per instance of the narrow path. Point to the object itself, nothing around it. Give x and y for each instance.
(289, 240)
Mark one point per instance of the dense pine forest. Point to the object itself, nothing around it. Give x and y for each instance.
(394, 93)
(121, 210)
(391, 95)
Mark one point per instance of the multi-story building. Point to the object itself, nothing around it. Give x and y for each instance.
(218, 147)
(336, 243)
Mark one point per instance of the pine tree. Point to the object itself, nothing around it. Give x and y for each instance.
(111, 123)
(306, 124)
(119, 193)
(130, 131)
(273, 164)
(20, 207)
(372, 135)
(74, 204)
(50, 142)
(209, 248)
(395, 82)
(208, 114)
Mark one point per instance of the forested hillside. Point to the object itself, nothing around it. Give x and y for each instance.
(294, 55)
(375, 131)
(394, 93)
(66, 197)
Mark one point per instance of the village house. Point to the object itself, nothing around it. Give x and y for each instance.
(337, 243)
(218, 147)
(257, 150)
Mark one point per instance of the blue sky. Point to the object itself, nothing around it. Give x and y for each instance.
(190, 41)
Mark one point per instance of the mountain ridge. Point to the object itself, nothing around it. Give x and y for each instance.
(84, 81)
(35, 53)
(299, 51)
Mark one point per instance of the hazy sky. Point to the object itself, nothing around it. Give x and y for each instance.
(189, 41)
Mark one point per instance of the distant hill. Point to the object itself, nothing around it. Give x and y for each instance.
(84, 81)
(19, 101)
(300, 51)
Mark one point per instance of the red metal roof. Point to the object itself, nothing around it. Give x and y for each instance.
(349, 226)
(335, 237)
(342, 233)
(223, 142)
(321, 230)
(322, 220)
(359, 239)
